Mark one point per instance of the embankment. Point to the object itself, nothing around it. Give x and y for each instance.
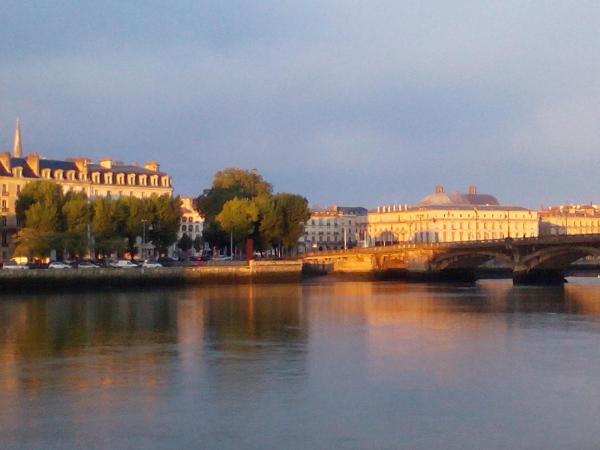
(48, 279)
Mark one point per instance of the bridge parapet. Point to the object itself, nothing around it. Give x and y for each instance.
(526, 256)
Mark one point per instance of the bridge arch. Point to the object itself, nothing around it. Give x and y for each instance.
(557, 258)
(467, 259)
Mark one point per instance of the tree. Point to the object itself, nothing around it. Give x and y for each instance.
(185, 243)
(39, 210)
(77, 215)
(228, 184)
(293, 213)
(105, 227)
(198, 243)
(238, 218)
(165, 222)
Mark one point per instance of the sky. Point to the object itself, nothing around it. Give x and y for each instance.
(346, 102)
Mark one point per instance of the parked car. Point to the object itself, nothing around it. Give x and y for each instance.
(151, 264)
(123, 264)
(87, 265)
(13, 265)
(58, 265)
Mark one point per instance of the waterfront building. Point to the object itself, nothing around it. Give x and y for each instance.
(107, 178)
(570, 219)
(450, 217)
(335, 227)
(192, 224)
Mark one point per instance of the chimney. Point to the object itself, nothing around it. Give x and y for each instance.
(17, 150)
(439, 189)
(472, 189)
(33, 161)
(153, 166)
(106, 163)
(5, 161)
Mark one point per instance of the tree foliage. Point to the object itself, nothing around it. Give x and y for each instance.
(238, 218)
(241, 202)
(53, 221)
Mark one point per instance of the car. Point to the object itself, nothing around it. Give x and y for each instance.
(13, 265)
(124, 264)
(58, 265)
(151, 264)
(87, 265)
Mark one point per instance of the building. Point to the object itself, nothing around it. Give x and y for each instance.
(570, 219)
(336, 227)
(192, 223)
(107, 178)
(450, 217)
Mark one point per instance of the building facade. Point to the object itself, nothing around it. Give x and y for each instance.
(333, 228)
(450, 217)
(570, 219)
(107, 178)
(192, 224)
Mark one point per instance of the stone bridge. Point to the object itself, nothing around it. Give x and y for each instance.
(542, 260)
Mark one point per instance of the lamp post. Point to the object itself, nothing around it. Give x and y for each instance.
(144, 238)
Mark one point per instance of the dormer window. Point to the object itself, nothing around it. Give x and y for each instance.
(165, 181)
(96, 177)
(121, 178)
(154, 180)
(18, 172)
(108, 177)
(131, 179)
(58, 174)
(82, 176)
(71, 175)
(143, 180)
(46, 173)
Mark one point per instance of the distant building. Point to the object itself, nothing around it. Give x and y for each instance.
(450, 217)
(107, 178)
(570, 219)
(192, 224)
(335, 227)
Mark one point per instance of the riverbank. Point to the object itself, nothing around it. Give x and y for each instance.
(94, 279)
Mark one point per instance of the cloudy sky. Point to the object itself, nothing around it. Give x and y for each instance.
(352, 102)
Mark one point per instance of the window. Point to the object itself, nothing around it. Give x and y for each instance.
(4, 206)
(18, 189)
(4, 239)
(183, 228)
(3, 221)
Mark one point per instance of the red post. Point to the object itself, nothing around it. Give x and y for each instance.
(249, 249)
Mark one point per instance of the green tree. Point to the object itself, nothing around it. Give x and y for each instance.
(105, 226)
(39, 210)
(77, 215)
(198, 243)
(238, 218)
(228, 184)
(165, 222)
(185, 243)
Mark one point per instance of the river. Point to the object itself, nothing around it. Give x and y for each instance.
(319, 365)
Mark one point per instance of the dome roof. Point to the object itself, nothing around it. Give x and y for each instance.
(441, 198)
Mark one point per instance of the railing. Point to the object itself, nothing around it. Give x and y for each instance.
(456, 244)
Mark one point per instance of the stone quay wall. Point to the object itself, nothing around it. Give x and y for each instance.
(48, 279)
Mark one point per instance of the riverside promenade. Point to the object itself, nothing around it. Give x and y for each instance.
(252, 272)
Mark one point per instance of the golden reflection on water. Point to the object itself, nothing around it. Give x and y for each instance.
(115, 340)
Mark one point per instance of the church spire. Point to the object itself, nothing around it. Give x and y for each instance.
(17, 150)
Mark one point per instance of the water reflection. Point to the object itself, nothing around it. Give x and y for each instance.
(331, 365)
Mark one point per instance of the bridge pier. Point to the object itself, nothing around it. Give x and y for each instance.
(539, 277)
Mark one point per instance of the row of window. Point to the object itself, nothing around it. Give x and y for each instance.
(108, 178)
(190, 228)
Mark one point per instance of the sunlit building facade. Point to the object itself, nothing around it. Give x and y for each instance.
(107, 178)
(570, 219)
(335, 227)
(450, 217)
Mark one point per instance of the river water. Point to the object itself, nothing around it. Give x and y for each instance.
(321, 365)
